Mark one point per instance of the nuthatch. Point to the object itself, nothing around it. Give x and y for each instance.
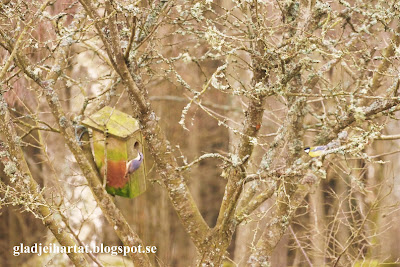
(134, 164)
(315, 151)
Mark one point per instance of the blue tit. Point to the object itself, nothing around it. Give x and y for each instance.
(315, 151)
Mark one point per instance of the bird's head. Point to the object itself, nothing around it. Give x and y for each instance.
(139, 156)
(307, 149)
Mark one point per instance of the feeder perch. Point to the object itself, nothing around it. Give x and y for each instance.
(116, 139)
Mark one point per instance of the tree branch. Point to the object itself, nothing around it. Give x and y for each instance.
(111, 212)
(158, 145)
(17, 169)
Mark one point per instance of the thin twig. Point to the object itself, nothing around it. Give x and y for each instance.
(202, 157)
(388, 137)
(300, 246)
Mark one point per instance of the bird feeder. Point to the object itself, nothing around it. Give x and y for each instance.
(116, 139)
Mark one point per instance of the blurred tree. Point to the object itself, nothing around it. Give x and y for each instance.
(228, 94)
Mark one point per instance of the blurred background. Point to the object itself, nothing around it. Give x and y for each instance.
(352, 215)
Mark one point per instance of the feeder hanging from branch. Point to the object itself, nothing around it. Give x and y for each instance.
(117, 140)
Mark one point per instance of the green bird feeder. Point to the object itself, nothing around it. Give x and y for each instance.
(116, 139)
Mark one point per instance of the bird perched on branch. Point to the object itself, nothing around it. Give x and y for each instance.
(315, 151)
(134, 164)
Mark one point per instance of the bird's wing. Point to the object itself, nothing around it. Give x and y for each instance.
(318, 148)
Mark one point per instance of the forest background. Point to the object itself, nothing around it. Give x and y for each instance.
(227, 94)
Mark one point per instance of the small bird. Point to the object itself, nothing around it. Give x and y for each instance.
(315, 151)
(134, 164)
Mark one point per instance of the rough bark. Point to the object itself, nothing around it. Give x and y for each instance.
(158, 145)
(11, 155)
(111, 212)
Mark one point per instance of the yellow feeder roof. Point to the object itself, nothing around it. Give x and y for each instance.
(118, 123)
